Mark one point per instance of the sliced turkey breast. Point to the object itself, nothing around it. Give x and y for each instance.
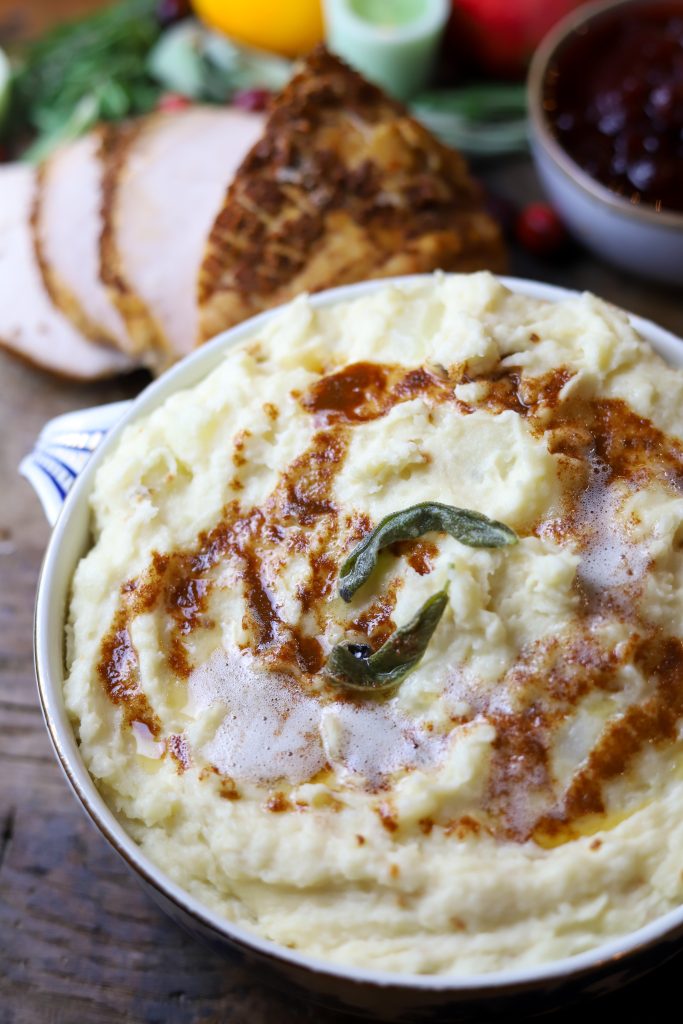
(67, 225)
(166, 178)
(30, 325)
(343, 186)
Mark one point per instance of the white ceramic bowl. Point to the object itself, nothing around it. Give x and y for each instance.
(634, 237)
(385, 996)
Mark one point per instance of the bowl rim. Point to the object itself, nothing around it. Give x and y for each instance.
(432, 18)
(48, 649)
(645, 213)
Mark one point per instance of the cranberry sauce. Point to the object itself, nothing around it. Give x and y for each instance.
(614, 99)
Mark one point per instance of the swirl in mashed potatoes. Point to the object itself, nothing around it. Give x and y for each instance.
(519, 797)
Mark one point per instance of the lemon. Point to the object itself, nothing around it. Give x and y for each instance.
(291, 28)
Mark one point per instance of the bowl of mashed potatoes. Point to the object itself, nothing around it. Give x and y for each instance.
(361, 639)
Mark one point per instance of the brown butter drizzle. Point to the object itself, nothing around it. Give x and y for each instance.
(556, 676)
(300, 515)
(376, 621)
(419, 554)
(118, 667)
(119, 673)
(551, 681)
(652, 722)
(178, 748)
(366, 391)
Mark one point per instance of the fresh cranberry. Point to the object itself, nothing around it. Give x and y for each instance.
(615, 100)
(252, 99)
(172, 101)
(540, 230)
(170, 11)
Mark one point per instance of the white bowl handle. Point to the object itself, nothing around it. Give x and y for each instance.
(62, 451)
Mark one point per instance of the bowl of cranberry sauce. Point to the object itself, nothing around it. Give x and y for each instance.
(606, 126)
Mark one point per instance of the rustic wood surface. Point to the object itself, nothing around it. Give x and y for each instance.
(24, 19)
(79, 941)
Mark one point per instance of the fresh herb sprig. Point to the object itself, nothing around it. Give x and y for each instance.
(355, 667)
(86, 71)
(472, 528)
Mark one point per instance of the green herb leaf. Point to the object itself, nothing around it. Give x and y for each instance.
(204, 65)
(486, 119)
(357, 668)
(471, 528)
(5, 87)
(82, 118)
(91, 69)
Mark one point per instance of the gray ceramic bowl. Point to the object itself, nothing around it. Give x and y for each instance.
(63, 461)
(634, 237)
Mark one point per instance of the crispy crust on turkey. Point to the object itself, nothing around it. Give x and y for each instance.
(146, 336)
(165, 182)
(343, 186)
(66, 226)
(60, 293)
(31, 327)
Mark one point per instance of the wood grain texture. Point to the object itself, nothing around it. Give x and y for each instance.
(80, 943)
(28, 18)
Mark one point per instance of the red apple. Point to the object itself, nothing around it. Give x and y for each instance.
(501, 35)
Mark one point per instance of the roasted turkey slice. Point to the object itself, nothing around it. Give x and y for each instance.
(343, 186)
(166, 177)
(30, 324)
(67, 227)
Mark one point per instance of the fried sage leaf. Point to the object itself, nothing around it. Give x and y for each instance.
(472, 528)
(355, 667)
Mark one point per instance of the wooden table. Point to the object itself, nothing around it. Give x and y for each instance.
(79, 941)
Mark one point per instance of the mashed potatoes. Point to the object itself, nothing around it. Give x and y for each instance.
(518, 797)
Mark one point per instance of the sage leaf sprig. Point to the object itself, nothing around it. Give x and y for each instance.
(355, 667)
(472, 528)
